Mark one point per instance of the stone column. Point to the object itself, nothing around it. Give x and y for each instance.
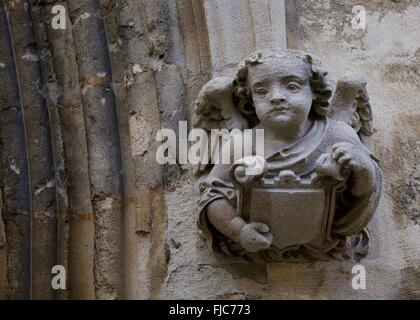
(103, 145)
(14, 173)
(43, 228)
(237, 28)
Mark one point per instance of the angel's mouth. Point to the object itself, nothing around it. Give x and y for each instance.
(278, 110)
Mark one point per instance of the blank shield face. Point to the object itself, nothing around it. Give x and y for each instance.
(297, 212)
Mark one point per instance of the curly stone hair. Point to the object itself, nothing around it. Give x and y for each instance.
(318, 81)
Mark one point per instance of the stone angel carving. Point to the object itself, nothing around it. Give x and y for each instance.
(318, 183)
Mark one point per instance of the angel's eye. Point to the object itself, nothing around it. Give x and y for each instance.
(261, 92)
(293, 86)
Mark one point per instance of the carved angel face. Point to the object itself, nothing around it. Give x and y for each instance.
(281, 91)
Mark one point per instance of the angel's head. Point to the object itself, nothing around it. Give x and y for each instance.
(282, 87)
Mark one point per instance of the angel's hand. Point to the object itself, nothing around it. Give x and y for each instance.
(349, 156)
(326, 166)
(255, 237)
(363, 170)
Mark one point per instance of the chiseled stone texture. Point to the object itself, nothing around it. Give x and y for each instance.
(387, 55)
(160, 53)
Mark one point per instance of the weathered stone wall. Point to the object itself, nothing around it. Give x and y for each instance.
(387, 55)
(124, 226)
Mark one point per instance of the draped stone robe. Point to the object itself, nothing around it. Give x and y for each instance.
(351, 215)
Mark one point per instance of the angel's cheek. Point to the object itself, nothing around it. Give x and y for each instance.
(301, 105)
(301, 101)
(300, 111)
(262, 109)
(263, 116)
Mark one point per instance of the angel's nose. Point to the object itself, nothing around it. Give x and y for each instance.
(277, 97)
(277, 100)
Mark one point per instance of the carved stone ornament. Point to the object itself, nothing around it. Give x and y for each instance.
(318, 183)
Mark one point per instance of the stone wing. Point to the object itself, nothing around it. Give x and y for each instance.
(350, 104)
(215, 108)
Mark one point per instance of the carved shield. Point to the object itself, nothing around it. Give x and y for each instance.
(298, 211)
